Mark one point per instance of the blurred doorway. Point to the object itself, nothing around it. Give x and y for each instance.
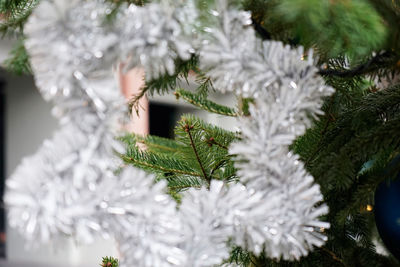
(163, 118)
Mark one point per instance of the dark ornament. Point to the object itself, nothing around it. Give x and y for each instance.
(387, 214)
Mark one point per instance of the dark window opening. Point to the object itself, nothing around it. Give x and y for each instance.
(163, 119)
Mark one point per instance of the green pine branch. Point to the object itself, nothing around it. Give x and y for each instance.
(177, 183)
(15, 13)
(205, 83)
(154, 144)
(188, 128)
(332, 27)
(167, 82)
(198, 154)
(204, 103)
(390, 12)
(158, 162)
(383, 63)
(352, 132)
(18, 62)
(109, 262)
(206, 146)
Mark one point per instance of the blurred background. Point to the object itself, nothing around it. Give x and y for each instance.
(25, 122)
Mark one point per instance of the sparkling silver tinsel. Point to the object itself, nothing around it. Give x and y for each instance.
(208, 218)
(152, 37)
(239, 62)
(277, 118)
(42, 197)
(143, 218)
(289, 227)
(230, 57)
(284, 222)
(71, 55)
(68, 186)
(64, 37)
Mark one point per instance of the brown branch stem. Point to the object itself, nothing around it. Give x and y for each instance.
(187, 129)
(333, 255)
(211, 141)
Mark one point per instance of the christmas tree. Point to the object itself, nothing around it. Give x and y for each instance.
(317, 110)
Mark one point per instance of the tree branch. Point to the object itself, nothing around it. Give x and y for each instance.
(333, 255)
(375, 63)
(265, 35)
(211, 141)
(187, 129)
(205, 104)
(323, 132)
(157, 167)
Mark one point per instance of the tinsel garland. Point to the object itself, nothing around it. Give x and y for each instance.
(70, 187)
(152, 37)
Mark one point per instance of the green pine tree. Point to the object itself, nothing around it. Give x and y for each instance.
(358, 44)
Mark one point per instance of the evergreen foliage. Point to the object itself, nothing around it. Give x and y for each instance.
(198, 154)
(15, 13)
(18, 62)
(168, 82)
(109, 262)
(351, 27)
(205, 104)
(347, 150)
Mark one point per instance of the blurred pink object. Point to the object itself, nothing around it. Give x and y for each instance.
(131, 83)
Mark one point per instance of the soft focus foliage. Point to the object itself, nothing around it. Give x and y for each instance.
(109, 262)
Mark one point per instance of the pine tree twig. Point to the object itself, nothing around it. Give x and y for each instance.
(265, 35)
(211, 141)
(323, 132)
(134, 103)
(254, 262)
(333, 255)
(109, 262)
(188, 128)
(179, 187)
(167, 82)
(218, 165)
(19, 11)
(144, 142)
(157, 167)
(373, 64)
(18, 62)
(204, 103)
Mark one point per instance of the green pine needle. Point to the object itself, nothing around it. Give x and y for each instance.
(18, 63)
(109, 262)
(167, 82)
(204, 103)
(15, 13)
(198, 154)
